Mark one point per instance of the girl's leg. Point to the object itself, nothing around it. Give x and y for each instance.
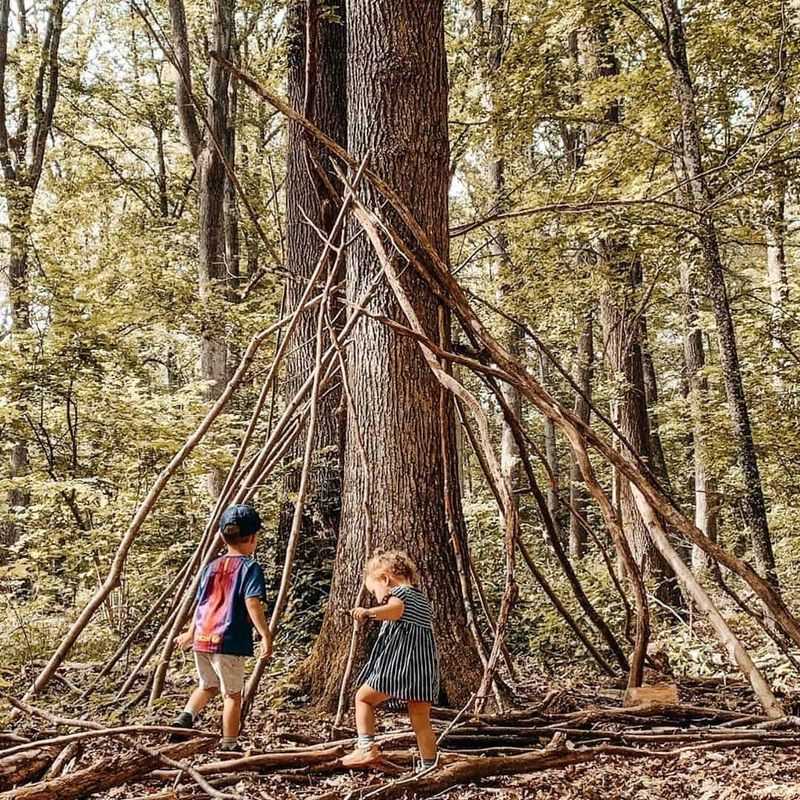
(366, 753)
(420, 716)
(366, 700)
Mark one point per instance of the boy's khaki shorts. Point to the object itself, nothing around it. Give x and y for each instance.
(220, 671)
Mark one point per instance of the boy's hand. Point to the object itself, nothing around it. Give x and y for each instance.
(184, 640)
(360, 614)
(265, 649)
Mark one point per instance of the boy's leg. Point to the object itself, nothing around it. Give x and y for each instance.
(199, 698)
(209, 686)
(231, 716)
(230, 670)
(420, 716)
(366, 751)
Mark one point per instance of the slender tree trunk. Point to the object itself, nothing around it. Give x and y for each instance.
(705, 495)
(205, 144)
(775, 217)
(623, 354)
(30, 115)
(752, 505)
(493, 40)
(397, 110)
(551, 456)
(582, 371)
(621, 269)
(323, 100)
(651, 400)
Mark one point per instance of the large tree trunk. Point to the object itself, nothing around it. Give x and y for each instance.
(752, 504)
(324, 101)
(397, 110)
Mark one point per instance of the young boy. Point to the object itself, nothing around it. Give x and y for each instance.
(230, 602)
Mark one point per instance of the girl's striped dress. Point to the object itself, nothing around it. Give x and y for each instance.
(404, 662)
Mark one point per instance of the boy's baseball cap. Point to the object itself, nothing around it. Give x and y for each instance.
(246, 517)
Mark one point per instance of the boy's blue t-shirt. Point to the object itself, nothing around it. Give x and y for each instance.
(221, 621)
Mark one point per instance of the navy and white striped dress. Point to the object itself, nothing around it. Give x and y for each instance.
(404, 663)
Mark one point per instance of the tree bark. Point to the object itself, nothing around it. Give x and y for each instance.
(27, 766)
(317, 90)
(397, 110)
(753, 507)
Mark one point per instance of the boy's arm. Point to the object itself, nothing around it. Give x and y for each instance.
(186, 639)
(392, 609)
(255, 608)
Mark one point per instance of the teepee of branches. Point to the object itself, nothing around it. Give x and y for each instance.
(400, 248)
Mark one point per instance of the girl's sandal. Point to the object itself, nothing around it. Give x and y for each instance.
(363, 758)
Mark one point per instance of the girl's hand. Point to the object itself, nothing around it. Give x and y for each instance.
(184, 640)
(360, 614)
(265, 648)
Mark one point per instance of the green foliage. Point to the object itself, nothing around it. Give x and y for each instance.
(105, 386)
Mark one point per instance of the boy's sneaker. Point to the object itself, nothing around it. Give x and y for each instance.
(183, 720)
(362, 758)
(229, 749)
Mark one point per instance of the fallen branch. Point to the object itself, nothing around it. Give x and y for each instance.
(107, 773)
(103, 732)
(160, 756)
(16, 769)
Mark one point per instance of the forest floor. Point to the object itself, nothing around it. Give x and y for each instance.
(746, 772)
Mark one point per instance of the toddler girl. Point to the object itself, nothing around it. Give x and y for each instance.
(403, 664)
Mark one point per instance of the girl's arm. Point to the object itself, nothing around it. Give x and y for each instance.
(392, 609)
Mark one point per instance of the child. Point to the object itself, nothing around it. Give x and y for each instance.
(230, 601)
(403, 664)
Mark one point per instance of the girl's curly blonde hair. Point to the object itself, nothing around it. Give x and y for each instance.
(394, 562)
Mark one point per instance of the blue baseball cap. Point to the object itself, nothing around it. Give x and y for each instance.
(243, 516)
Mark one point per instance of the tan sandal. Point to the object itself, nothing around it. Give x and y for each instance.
(363, 758)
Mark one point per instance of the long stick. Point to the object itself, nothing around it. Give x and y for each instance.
(161, 670)
(737, 654)
(112, 579)
(435, 272)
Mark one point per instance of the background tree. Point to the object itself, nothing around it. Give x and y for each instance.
(28, 96)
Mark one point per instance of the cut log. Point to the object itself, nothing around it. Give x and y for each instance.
(103, 774)
(28, 766)
(660, 693)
